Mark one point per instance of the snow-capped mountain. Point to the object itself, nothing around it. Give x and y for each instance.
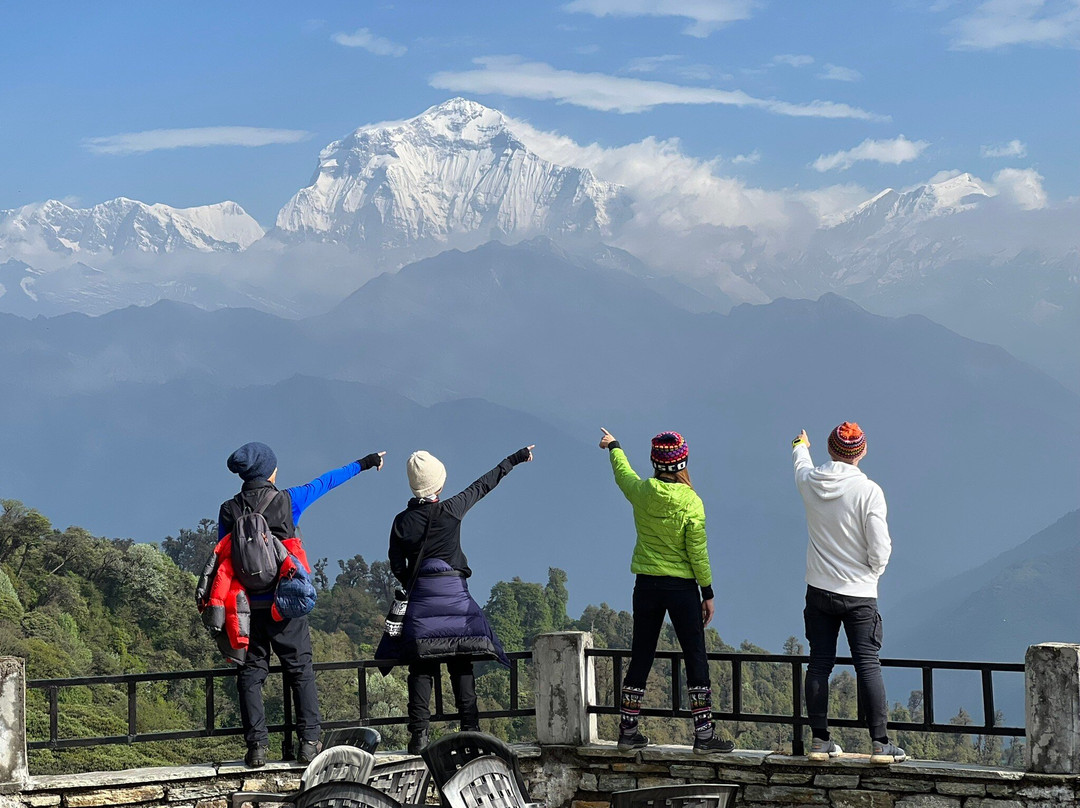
(892, 209)
(457, 169)
(122, 225)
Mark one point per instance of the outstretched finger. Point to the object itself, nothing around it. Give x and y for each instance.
(606, 432)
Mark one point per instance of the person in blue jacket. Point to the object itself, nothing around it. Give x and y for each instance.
(290, 639)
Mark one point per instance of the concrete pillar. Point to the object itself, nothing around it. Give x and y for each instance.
(565, 687)
(1052, 698)
(12, 723)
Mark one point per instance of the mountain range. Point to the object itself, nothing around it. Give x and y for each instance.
(124, 420)
(461, 174)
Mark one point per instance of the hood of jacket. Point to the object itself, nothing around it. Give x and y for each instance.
(833, 479)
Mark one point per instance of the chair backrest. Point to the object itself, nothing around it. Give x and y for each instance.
(345, 795)
(366, 738)
(339, 764)
(484, 782)
(710, 795)
(453, 751)
(404, 780)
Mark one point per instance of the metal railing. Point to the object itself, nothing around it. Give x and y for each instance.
(796, 719)
(210, 677)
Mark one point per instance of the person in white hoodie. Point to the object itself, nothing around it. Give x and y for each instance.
(848, 550)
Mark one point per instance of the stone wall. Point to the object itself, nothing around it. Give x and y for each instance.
(585, 776)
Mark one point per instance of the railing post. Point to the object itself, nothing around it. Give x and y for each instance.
(565, 687)
(13, 771)
(1052, 699)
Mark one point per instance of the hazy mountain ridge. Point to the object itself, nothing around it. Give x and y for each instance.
(543, 335)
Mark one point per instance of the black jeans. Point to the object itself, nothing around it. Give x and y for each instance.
(291, 641)
(825, 612)
(421, 680)
(655, 596)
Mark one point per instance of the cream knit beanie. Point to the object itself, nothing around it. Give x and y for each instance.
(427, 474)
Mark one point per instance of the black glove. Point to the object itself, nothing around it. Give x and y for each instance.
(370, 461)
(520, 456)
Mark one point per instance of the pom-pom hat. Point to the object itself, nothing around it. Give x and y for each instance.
(669, 452)
(847, 441)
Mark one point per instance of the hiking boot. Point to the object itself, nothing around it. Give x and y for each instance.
(470, 728)
(823, 750)
(256, 755)
(418, 741)
(706, 746)
(887, 753)
(628, 743)
(308, 751)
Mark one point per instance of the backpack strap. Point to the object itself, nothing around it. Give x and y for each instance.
(262, 503)
(423, 546)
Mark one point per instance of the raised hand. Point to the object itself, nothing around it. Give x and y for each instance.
(607, 440)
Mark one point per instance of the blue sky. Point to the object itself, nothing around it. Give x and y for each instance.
(779, 94)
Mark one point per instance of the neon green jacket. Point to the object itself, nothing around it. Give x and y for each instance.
(670, 521)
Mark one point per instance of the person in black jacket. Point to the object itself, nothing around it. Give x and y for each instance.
(290, 639)
(442, 622)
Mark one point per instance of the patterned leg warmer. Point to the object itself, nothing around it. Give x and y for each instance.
(631, 709)
(701, 711)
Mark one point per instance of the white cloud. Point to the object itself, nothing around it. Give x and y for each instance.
(750, 159)
(649, 64)
(159, 139)
(1014, 148)
(705, 16)
(587, 50)
(363, 38)
(895, 151)
(838, 73)
(793, 59)
(1023, 186)
(511, 76)
(1001, 23)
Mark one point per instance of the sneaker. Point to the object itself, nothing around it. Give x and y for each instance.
(256, 755)
(706, 746)
(823, 750)
(628, 743)
(308, 751)
(470, 727)
(418, 741)
(887, 753)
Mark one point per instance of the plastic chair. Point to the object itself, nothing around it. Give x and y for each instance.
(484, 782)
(710, 795)
(451, 752)
(337, 765)
(341, 794)
(405, 780)
(366, 738)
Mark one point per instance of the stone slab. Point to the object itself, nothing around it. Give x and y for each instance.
(682, 754)
(157, 774)
(108, 797)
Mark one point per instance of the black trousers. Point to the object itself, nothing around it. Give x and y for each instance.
(421, 681)
(291, 641)
(825, 612)
(654, 597)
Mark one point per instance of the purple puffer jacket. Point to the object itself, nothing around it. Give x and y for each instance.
(442, 621)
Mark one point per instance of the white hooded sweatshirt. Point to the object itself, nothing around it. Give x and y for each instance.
(846, 516)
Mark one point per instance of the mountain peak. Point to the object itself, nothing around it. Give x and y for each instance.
(454, 175)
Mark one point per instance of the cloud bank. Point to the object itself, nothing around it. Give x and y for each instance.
(706, 16)
(512, 76)
(364, 38)
(161, 139)
(891, 152)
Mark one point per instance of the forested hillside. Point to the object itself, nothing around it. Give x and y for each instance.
(73, 604)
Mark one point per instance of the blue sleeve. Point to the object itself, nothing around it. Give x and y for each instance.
(304, 495)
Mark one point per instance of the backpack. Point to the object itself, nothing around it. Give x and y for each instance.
(257, 554)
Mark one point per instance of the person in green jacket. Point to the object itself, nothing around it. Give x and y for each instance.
(671, 560)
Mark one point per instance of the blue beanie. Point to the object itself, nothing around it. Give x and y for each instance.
(253, 461)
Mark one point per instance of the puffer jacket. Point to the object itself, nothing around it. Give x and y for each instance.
(224, 603)
(670, 522)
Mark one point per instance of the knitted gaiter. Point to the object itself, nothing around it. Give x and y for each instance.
(701, 711)
(631, 709)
